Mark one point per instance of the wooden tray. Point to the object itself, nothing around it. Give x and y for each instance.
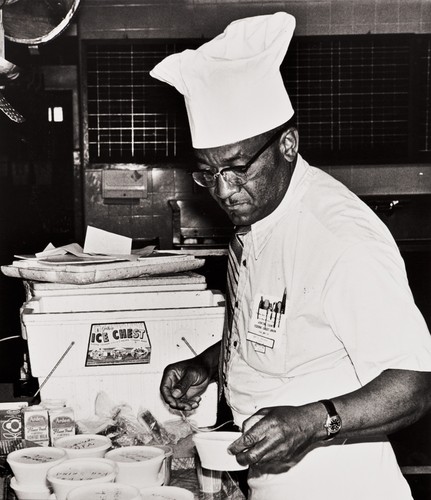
(95, 273)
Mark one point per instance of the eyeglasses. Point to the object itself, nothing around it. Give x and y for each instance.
(235, 176)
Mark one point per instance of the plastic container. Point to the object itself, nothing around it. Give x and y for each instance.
(29, 491)
(138, 466)
(84, 445)
(30, 465)
(105, 491)
(210, 480)
(72, 473)
(212, 450)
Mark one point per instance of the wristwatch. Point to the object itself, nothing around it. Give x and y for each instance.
(333, 420)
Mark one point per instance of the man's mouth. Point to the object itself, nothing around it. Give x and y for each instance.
(233, 206)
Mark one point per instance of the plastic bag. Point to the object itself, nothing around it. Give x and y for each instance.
(118, 422)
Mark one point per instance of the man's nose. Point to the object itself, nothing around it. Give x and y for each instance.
(223, 189)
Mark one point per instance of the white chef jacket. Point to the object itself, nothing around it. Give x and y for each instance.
(323, 306)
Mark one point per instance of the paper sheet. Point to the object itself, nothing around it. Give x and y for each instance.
(98, 241)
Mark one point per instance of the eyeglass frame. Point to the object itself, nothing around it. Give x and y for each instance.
(242, 168)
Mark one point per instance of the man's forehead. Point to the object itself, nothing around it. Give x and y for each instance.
(229, 152)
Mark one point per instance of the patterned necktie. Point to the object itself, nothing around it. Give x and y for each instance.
(9, 111)
(236, 246)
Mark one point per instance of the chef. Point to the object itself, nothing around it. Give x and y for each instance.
(324, 352)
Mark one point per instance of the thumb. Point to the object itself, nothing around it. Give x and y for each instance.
(183, 385)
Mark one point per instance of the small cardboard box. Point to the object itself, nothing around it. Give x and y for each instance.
(11, 423)
(36, 426)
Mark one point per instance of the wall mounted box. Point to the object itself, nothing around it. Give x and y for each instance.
(124, 183)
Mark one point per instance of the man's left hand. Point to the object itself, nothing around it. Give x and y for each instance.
(274, 438)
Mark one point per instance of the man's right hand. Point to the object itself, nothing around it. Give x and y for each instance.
(183, 383)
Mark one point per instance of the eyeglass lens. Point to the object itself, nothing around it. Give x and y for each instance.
(236, 175)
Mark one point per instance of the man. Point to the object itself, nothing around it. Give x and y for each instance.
(324, 352)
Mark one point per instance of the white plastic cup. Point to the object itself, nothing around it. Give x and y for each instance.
(30, 465)
(29, 491)
(84, 445)
(76, 472)
(209, 480)
(138, 466)
(105, 491)
(212, 449)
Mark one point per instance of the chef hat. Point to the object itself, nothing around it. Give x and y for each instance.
(232, 84)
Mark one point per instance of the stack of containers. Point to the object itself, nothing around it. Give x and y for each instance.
(41, 471)
(81, 467)
(76, 472)
(30, 467)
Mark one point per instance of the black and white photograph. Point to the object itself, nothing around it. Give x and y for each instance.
(215, 249)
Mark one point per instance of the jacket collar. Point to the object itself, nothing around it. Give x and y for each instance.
(262, 229)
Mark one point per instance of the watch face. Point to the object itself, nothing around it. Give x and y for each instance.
(333, 424)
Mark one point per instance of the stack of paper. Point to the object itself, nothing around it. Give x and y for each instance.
(105, 256)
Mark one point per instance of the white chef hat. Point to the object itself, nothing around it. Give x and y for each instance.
(232, 85)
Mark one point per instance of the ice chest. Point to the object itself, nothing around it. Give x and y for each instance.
(122, 343)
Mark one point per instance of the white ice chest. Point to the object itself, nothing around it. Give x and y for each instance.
(51, 321)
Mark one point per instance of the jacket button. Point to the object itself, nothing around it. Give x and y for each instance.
(235, 343)
(244, 262)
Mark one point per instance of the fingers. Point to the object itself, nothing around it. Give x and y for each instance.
(249, 449)
(259, 442)
(188, 404)
(248, 438)
(168, 387)
(178, 388)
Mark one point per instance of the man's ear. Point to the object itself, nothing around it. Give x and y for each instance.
(289, 143)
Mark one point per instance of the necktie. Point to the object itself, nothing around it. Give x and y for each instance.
(236, 246)
(9, 111)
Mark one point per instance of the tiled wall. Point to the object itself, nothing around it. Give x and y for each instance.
(151, 217)
(196, 18)
(145, 219)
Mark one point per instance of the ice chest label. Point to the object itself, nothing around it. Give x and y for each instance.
(118, 344)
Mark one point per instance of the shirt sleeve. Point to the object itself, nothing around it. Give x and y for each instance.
(370, 307)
